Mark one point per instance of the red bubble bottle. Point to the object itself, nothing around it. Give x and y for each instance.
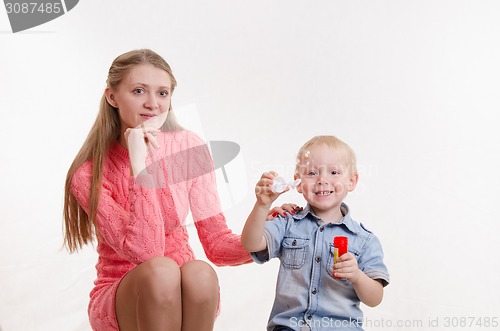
(339, 248)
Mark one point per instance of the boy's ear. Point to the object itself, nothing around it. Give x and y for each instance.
(299, 187)
(110, 97)
(353, 181)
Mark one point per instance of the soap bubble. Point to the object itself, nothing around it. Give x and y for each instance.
(303, 161)
(304, 158)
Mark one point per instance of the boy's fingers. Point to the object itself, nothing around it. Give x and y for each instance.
(345, 257)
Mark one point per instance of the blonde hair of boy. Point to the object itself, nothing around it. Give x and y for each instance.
(333, 142)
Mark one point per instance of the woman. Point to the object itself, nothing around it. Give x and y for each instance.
(131, 184)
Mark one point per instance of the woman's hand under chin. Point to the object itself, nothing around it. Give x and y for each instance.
(140, 138)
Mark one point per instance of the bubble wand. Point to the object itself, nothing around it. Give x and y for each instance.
(280, 184)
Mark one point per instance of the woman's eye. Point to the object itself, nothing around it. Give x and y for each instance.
(164, 93)
(138, 91)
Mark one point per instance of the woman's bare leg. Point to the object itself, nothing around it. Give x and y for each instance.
(200, 296)
(149, 297)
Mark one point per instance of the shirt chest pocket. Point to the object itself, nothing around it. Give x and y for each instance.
(293, 252)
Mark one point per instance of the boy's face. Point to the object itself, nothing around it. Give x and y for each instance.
(326, 178)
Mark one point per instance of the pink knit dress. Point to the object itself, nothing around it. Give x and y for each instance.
(142, 218)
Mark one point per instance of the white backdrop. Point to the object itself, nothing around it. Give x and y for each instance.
(412, 86)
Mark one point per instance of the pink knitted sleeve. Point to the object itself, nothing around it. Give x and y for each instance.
(136, 231)
(221, 246)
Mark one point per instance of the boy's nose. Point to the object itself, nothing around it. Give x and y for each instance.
(322, 180)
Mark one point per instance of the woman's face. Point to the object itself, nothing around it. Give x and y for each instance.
(143, 94)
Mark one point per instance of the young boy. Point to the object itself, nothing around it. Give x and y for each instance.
(312, 292)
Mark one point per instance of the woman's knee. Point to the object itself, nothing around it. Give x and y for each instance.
(159, 280)
(148, 290)
(199, 282)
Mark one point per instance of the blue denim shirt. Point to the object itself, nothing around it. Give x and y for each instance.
(307, 295)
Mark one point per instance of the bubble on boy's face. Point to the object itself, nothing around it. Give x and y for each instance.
(303, 161)
(305, 158)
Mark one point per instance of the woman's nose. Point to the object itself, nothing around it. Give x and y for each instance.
(151, 102)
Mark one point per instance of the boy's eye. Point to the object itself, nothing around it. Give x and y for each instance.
(311, 173)
(335, 172)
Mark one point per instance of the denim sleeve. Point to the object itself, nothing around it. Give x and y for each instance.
(274, 231)
(371, 261)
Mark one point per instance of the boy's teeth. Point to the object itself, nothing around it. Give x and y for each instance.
(324, 192)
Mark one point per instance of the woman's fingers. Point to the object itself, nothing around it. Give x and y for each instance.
(289, 207)
(273, 213)
(150, 134)
(152, 140)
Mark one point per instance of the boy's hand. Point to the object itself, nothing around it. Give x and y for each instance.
(347, 267)
(263, 189)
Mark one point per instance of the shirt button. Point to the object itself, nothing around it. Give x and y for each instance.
(294, 242)
(314, 291)
(318, 259)
(309, 317)
(321, 228)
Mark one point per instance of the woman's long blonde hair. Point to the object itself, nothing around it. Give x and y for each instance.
(80, 226)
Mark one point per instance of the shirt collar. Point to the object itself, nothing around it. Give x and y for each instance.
(346, 220)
